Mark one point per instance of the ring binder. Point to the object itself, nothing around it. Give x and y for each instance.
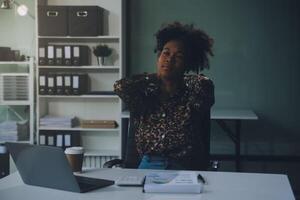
(67, 84)
(42, 55)
(80, 84)
(58, 55)
(67, 55)
(76, 55)
(59, 84)
(42, 84)
(51, 84)
(50, 55)
(80, 55)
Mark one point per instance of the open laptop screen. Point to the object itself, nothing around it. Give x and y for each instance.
(46, 166)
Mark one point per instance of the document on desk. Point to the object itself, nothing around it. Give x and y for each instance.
(180, 197)
(173, 182)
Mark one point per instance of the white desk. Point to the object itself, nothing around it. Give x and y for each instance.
(233, 114)
(220, 186)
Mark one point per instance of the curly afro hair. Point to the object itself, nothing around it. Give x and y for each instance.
(197, 44)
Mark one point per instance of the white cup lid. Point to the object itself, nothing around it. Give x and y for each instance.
(74, 150)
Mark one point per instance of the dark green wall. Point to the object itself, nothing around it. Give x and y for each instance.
(256, 63)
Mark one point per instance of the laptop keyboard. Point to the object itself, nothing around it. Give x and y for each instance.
(130, 180)
(85, 185)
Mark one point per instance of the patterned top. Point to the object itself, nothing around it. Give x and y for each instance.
(163, 127)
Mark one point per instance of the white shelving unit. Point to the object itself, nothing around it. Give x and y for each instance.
(100, 143)
(17, 89)
(102, 68)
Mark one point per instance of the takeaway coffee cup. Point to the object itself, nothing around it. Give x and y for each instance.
(75, 158)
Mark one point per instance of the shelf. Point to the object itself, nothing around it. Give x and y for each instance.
(14, 74)
(80, 37)
(78, 129)
(14, 62)
(79, 96)
(15, 103)
(25, 141)
(97, 67)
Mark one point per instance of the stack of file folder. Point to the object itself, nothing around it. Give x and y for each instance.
(14, 87)
(14, 131)
(58, 122)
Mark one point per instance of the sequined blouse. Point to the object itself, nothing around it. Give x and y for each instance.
(163, 127)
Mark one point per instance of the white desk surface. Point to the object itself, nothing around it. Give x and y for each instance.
(220, 186)
(241, 114)
(230, 114)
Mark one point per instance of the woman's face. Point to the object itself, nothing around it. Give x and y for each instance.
(170, 63)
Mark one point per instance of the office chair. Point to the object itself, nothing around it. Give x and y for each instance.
(131, 158)
(201, 156)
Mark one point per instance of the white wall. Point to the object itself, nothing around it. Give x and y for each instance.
(18, 32)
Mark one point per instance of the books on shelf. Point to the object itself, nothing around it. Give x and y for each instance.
(173, 182)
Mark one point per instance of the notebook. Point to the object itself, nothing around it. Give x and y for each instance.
(173, 182)
(47, 166)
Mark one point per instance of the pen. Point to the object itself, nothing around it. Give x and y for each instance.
(200, 177)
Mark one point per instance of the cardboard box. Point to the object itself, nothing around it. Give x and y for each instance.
(98, 124)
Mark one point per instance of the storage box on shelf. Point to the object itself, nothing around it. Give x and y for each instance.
(81, 88)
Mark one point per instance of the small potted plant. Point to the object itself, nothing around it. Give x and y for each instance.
(102, 51)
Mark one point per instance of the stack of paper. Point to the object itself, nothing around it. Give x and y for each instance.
(58, 122)
(13, 131)
(173, 182)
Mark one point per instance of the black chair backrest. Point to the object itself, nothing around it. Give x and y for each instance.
(131, 158)
(201, 147)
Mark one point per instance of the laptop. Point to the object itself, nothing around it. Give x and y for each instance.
(48, 166)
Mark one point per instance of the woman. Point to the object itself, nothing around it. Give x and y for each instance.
(165, 104)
